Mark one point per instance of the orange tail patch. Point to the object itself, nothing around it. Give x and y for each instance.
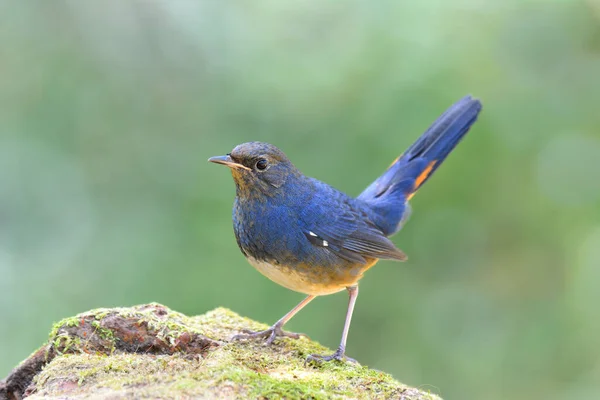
(421, 178)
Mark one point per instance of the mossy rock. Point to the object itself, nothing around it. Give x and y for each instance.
(150, 351)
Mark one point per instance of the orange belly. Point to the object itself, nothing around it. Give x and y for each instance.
(312, 280)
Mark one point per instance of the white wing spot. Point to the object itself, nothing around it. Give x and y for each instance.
(325, 243)
(312, 233)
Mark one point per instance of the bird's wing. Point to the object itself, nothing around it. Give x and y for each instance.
(348, 233)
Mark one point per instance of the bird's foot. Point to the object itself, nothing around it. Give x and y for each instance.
(339, 355)
(270, 334)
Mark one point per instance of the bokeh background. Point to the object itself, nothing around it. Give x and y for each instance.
(109, 111)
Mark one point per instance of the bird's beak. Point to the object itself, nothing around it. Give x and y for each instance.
(226, 160)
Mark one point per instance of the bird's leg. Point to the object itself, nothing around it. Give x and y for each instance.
(275, 331)
(340, 353)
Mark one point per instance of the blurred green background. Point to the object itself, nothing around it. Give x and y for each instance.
(109, 110)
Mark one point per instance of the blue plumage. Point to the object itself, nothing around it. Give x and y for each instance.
(390, 192)
(312, 238)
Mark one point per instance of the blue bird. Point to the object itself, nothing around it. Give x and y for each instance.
(311, 238)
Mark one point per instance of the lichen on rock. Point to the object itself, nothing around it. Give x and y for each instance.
(152, 351)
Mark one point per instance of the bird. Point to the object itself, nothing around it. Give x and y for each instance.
(311, 238)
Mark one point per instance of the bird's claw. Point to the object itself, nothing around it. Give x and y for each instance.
(339, 355)
(270, 334)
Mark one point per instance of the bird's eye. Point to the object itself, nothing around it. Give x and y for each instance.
(262, 164)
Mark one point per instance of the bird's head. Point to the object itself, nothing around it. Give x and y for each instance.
(257, 166)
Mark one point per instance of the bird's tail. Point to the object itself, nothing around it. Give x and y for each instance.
(410, 171)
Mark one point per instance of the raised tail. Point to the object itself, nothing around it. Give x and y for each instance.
(389, 193)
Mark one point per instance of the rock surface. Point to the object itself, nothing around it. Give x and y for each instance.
(151, 351)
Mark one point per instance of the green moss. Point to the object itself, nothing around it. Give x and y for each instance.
(104, 333)
(64, 343)
(66, 322)
(233, 370)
